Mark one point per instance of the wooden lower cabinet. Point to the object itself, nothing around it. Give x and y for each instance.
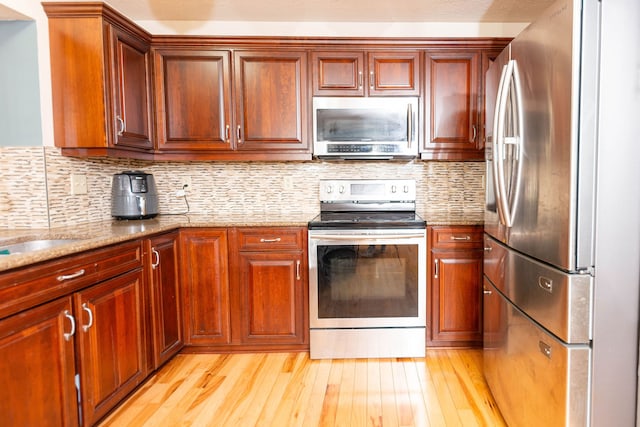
(205, 284)
(455, 286)
(268, 282)
(245, 288)
(111, 343)
(38, 367)
(165, 299)
(68, 360)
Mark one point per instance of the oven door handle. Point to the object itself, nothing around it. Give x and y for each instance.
(365, 236)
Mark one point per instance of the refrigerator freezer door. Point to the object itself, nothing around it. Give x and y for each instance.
(562, 303)
(525, 368)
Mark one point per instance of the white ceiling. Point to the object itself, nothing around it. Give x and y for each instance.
(331, 10)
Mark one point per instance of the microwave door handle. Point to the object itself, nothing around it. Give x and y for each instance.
(409, 125)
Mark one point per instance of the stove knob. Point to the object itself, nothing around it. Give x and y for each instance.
(393, 188)
(329, 189)
(406, 188)
(341, 189)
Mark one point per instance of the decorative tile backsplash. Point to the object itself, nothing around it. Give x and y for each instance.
(33, 179)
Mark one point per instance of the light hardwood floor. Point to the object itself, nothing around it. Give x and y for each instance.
(446, 388)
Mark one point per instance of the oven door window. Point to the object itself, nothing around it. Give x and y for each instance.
(360, 281)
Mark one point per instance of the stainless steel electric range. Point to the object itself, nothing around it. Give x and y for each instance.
(367, 271)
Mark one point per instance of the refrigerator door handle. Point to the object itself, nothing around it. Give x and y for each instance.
(518, 144)
(507, 198)
(498, 123)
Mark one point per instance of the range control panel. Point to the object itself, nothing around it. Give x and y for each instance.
(367, 190)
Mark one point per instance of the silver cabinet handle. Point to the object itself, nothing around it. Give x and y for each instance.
(67, 336)
(156, 263)
(435, 271)
(227, 133)
(359, 79)
(298, 270)
(64, 277)
(371, 80)
(488, 249)
(276, 240)
(464, 238)
(120, 124)
(86, 308)
(475, 132)
(487, 292)
(239, 134)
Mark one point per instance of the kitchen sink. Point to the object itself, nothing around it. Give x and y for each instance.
(34, 245)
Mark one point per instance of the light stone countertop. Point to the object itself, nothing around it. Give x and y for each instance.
(98, 234)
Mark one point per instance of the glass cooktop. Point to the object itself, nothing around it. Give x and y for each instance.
(360, 220)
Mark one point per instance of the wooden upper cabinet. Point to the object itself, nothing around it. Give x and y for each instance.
(452, 106)
(100, 77)
(132, 93)
(193, 99)
(359, 73)
(271, 101)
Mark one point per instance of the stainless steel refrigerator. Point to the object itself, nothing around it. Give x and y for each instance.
(552, 356)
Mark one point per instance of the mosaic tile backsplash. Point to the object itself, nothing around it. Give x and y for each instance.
(35, 186)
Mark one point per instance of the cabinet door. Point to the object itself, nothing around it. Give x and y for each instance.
(206, 286)
(452, 106)
(271, 101)
(271, 297)
(166, 309)
(193, 99)
(111, 343)
(394, 74)
(338, 73)
(38, 367)
(456, 281)
(132, 100)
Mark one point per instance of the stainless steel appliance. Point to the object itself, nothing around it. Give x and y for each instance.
(134, 195)
(367, 271)
(543, 361)
(365, 128)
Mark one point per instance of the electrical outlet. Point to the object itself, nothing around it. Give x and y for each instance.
(78, 184)
(288, 183)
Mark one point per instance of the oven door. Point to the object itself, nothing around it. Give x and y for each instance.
(367, 278)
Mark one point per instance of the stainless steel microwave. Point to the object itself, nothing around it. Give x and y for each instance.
(365, 128)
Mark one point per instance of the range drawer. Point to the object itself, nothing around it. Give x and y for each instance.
(270, 238)
(26, 287)
(456, 237)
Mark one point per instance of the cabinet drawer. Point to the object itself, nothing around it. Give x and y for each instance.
(270, 239)
(26, 287)
(458, 237)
